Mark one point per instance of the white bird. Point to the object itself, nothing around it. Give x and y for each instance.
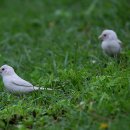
(14, 84)
(111, 45)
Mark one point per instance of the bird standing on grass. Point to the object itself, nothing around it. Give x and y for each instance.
(14, 84)
(111, 45)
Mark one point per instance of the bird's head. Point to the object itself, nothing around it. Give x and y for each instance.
(108, 35)
(6, 70)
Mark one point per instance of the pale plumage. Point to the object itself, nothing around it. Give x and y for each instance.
(111, 45)
(14, 83)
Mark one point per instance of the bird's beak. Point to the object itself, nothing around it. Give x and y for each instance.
(0, 70)
(100, 37)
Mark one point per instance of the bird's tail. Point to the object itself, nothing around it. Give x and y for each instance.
(41, 88)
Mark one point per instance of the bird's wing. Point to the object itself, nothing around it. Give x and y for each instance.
(120, 42)
(21, 82)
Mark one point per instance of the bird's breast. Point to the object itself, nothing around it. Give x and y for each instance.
(110, 46)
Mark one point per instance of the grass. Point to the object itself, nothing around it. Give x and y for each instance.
(54, 44)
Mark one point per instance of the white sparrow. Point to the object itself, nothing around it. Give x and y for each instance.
(111, 45)
(14, 84)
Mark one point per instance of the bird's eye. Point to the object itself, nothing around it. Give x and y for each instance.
(104, 35)
(3, 69)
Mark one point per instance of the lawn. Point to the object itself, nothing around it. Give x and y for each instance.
(54, 43)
